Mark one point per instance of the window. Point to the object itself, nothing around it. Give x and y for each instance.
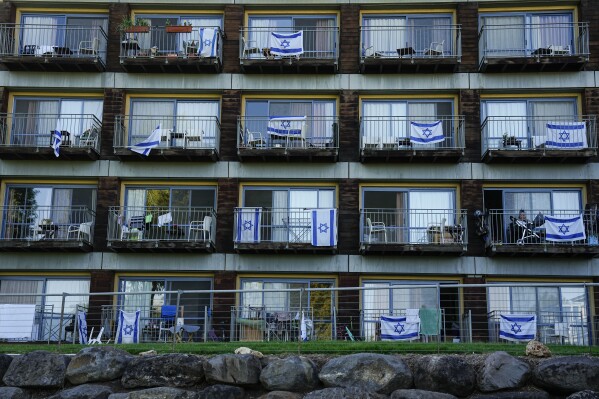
(36, 118)
(525, 119)
(524, 34)
(319, 32)
(384, 35)
(408, 213)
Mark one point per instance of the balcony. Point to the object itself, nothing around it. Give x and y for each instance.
(75, 48)
(534, 47)
(412, 139)
(533, 234)
(180, 138)
(161, 229)
(281, 230)
(30, 136)
(564, 139)
(288, 138)
(47, 228)
(427, 49)
(160, 49)
(317, 51)
(413, 231)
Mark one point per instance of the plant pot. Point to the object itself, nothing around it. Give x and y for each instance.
(178, 29)
(137, 29)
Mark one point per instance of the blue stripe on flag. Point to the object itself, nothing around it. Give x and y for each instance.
(286, 50)
(239, 215)
(286, 35)
(314, 229)
(566, 237)
(136, 324)
(560, 220)
(566, 127)
(284, 131)
(120, 332)
(518, 319)
(331, 231)
(565, 145)
(514, 336)
(425, 141)
(425, 124)
(256, 223)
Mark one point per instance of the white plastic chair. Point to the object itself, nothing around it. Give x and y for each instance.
(89, 47)
(249, 49)
(254, 139)
(82, 229)
(98, 339)
(436, 49)
(376, 228)
(201, 227)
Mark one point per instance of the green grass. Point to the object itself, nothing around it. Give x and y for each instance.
(315, 347)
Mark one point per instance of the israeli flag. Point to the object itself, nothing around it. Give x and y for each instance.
(286, 125)
(518, 327)
(564, 229)
(248, 225)
(82, 327)
(152, 141)
(324, 223)
(285, 44)
(56, 142)
(128, 328)
(566, 135)
(398, 329)
(208, 41)
(426, 133)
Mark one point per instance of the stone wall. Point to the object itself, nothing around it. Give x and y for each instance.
(105, 372)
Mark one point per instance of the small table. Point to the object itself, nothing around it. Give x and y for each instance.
(48, 230)
(405, 51)
(184, 329)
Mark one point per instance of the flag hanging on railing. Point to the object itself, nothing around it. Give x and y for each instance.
(248, 225)
(207, 42)
(564, 135)
(396, 328)
(128, 327)
(426, 133)
(324, 232)
(152, 141)
(285, 44)
(518, 327)
(82, 327)
(564, 228)
(56, 142)
(286, 125)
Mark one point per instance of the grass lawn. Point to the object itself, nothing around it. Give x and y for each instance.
(313, 347)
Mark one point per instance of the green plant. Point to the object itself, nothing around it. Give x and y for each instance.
(142, 22)
(125, 24)
(167, 23)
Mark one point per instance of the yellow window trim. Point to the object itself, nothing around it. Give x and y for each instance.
(455, 186)
(177, 12)
(167, 96)
(141, 183)
(7, 182)
(556, 280)
(246, 97)
(12, 95)
(287, 12)
(482, 9)
(118, 276)
(404, 11)
(335, 186)
(46, 274)
(576, 96)
(453, 97)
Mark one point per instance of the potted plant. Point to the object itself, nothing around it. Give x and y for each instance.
(185, 28)
(127, 25)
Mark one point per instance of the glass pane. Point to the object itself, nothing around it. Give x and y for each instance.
(70, 286)
(21, 287)
(524, 300)
(157, 197)
(203, 198)
(252, 295)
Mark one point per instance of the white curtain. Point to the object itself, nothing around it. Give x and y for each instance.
(196, 23)
(551, 112)
(61, 202)
(505, 118)
(259, 33)
(426, 31)
(505, 36)
(321, 44)
(429, 208)
(566, 203)
(136, 201)
(300, 204)
(276, 300)
(253, 294)
(21, 287)
(384, 35)
(499, 298)
(376, 300)
(197, 118)
(134, 302)
(529, 202)
(423, 112)
(41, 30)
(146, 115)
(71, 287)
(384, 122)
(550, 30)
(320, 128)
(279, 216)
(524, 300)
(415, 298)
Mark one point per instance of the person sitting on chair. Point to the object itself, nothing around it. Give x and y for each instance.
(517, 226)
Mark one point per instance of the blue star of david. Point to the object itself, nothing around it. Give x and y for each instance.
(323, 228)
(207, 42)
(427, 133)
(285, 44)
(247, 224)
(516, 328)
(564, 136)
(286, 124)
(399, 328)
(564, 229)
(128, 330)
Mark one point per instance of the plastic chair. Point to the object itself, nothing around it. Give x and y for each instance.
(254, 139)
(167, 320)
(98, 339)
(376, 228)
(89, 47)
(81, 230)
(201, 227)
(436, 49)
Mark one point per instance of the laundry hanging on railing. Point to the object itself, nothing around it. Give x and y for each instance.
(426, 133)
(287, 44)
(566, 135)
(518, 327)
(248, 225)
(396, 328)
(564, 228)
(56, 142)
(152, 141)
(208, 40)
(324, 232)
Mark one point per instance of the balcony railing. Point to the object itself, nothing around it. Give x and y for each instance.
(155, 223)
(159, 43)
(425, 41)
(511, 227)
(53, 41)
(318, 43)
(411, 133)
(276, 225)
(539, 133)
(276, 323)
(36, 130)
(413, 226)
(534, 40)
(47, 223)
(288, 132)
(176, 132)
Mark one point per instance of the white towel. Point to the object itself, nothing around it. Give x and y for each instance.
(412, 315)
(165, 219)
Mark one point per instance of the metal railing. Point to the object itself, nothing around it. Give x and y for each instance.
(413, 226)
(50, 223)
(534, 40)
(36, 130)
(529, 228)
(160, 43)
(434, 318)
(261, 323)
(395, 133)
(176, 132)
(539, 133)
(310, 132)
(318, 43)
(276, 225)
(421, 41)
(157, 223)
(65, 41)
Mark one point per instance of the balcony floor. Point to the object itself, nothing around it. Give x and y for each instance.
(282, 247)
(52, 64)
(169, 154)
(160, 246)
(289, 65)
(532, 64)
(289, 155)
(407, 155)
(45, 246)
(409, 65)
(531, 250)
(538, 156)
(171, 64)
(46, 153)
(456, 249)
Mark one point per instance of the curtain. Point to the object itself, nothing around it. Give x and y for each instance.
(70, 286)
(196, 23)
(544, 112)
(21, 287)
(384, 35)
(133, 302)
(566, 203)
(136, 200)
(505, 118)
(524, 300)
(499, 299)
(91, 107)
(426, 31)
(84, 29)
(197, 118)
(423, 112)
(252, 295)
(61, 209)
(384, 122)
(321, 42)
(146, 115)
(429, 208)
(504, 36)
(260, 30)
(376, 300)
(415, 298)
(550, 30)
(276, 300)
(531, 203)
(42, 30)
(300, 222)
(320, 128)
(279, 216)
